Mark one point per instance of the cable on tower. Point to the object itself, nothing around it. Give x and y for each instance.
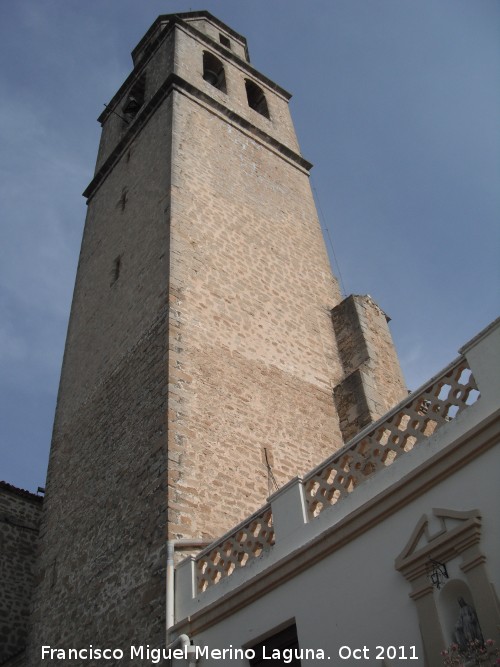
(327, 231)
(272, 484)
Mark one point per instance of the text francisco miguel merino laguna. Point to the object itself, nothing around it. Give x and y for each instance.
(157, 655)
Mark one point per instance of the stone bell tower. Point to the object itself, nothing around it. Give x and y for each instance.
(201, 348)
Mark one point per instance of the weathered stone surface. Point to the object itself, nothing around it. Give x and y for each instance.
(20, 513)
(373, 382)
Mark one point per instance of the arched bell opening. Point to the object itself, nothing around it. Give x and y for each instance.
(213, 71)
(256, 98)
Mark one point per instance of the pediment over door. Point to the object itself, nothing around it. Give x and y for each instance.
(440, 534)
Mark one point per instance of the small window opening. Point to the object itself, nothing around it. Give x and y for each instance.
(135, 98)
(115, 273)
(213, 71)
(256, 98)
(123, 199)
(224, 41)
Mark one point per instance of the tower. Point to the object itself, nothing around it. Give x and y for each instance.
(201, 350)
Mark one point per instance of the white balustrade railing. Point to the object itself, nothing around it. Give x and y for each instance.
(413, 420)
(251, 538)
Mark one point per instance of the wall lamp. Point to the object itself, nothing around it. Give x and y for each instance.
(437, 573)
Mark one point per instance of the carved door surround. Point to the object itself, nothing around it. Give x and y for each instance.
(456, 544)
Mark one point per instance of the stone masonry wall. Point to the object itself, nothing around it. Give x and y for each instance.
(20, 513)
(373, 381)
(255, 357)
(101, 578)
(207, 26)
(189, 50)
(101, 569)
(127, 218)
(156, 69)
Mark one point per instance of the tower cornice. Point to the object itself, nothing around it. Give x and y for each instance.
(175, 82)
(182, 16)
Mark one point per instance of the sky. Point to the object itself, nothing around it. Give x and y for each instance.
(395, 102)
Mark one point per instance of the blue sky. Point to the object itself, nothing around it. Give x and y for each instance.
(396, 103)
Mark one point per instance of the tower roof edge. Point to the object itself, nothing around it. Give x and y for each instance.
(182, 16)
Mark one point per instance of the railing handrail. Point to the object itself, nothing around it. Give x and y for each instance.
(233, 531)
(373, 426)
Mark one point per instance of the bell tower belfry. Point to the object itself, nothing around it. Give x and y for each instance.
(201, 345)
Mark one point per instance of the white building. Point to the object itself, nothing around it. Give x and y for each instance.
(344, 557)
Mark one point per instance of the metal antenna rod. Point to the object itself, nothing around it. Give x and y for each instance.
(271, 479)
